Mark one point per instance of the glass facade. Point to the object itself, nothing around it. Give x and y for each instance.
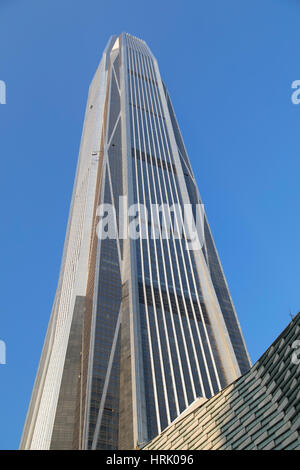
(159, 329)
(181, 360)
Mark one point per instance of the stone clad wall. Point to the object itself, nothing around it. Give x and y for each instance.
(260, 410)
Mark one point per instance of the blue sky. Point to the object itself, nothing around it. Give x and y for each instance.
(229, 67)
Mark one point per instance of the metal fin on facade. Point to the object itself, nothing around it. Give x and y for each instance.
(140, 327)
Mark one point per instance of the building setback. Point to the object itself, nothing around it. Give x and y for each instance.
(140, 328)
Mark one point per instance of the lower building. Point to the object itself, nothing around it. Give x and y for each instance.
(260, 410)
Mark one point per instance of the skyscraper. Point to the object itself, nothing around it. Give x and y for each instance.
(141, 325)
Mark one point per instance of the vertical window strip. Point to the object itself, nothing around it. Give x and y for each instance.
(149, 65)
(147, 85)
(129, 52)
(141, 139)
(191, 266)
(156, 259)
(164, 267)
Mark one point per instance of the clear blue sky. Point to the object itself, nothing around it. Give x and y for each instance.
(229, 66)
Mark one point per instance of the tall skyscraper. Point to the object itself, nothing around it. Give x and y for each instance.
(141, 325)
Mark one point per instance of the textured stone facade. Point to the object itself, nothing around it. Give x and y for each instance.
(260, 410)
